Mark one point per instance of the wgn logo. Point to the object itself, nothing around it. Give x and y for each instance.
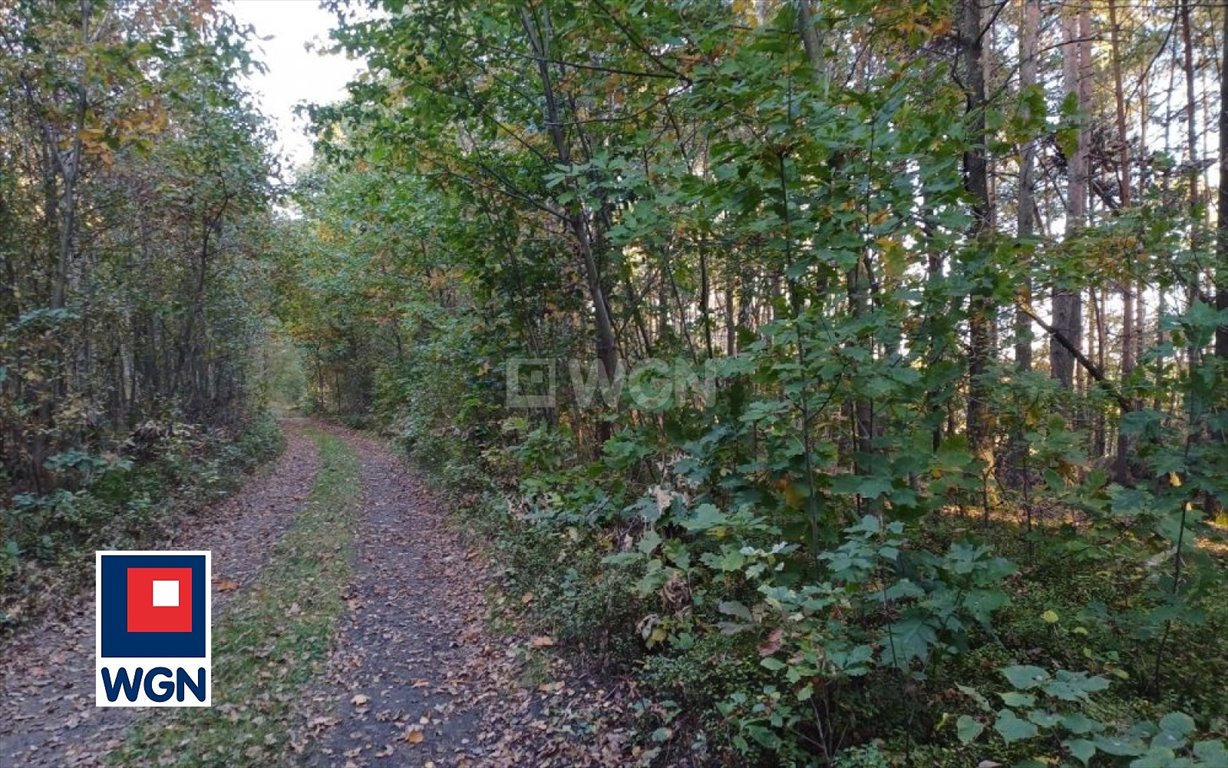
(153, 637)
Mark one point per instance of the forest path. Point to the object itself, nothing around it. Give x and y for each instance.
(407, 672)
(47, 712)
(417, 677)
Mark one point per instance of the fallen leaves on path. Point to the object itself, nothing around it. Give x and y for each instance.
(416, 668)
(47, 712)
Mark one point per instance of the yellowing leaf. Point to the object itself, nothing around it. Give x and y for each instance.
(1050, 616)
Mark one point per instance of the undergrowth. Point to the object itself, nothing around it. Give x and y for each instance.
(118, 501)
(910, 645)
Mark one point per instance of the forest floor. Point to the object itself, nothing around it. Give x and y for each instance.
(352, 627)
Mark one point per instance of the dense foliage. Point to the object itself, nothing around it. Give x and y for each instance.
(850, 374)
(134, 202)
(846, 371)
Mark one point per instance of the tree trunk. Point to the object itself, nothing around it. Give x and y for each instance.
(1026, 220)
(606, 344)
(1121, 467)
(1221, 271)
(976, 176)
(1068, 301)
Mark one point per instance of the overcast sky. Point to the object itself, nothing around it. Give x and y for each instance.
(295, 74)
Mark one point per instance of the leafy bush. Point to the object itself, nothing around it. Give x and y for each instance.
(122, 503)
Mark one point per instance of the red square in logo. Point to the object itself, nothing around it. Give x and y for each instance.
(159, 599)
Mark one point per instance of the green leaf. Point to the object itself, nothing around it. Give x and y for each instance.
(1211, 752)
(705, 516)
(622, 558)
(650, 541)
(1044, 718)
(975, 695)
(730, 559)
(1016, 699)
(1156, 757)
(1074, 686)
(968, 729)
(1013, 728)
(734, 608)
(1079, 723)
(908, 639)
(1080, 749)
(1119, 746)
(1177, 724)
(1024, 676)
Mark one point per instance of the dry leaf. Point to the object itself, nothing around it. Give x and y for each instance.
(360, 700)
(541, 641)
(772, 644)
(414, 735)
(225, 585)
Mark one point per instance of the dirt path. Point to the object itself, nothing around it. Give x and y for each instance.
(418, 679)
(415, 677)
(392, 689)
(47, 712)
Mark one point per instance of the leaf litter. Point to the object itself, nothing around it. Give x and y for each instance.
(47, 712)
(415, 676)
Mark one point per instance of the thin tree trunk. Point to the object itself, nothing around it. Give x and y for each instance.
(1221, 271)
(606, 343)
(976, 175)
(1067, 301)
(1121, 466)
(1026, 220)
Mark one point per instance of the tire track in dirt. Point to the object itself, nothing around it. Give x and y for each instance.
(47, 712)
(391, 690)
(417, 678)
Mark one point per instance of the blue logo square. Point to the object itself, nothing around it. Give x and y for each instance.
(117, 641)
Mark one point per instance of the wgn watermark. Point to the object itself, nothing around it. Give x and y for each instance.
(652, 384)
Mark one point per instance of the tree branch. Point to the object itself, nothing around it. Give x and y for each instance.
(1092, 369)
